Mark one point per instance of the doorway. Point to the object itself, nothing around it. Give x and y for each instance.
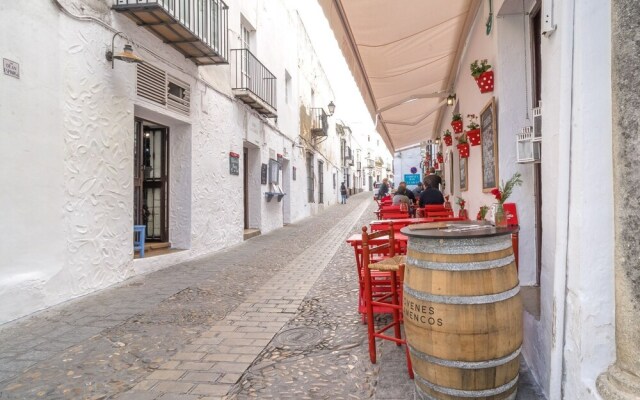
(151, 179)
(286, 188)
(245, 185)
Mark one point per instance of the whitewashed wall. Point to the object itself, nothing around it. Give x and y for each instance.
(502, 47)
(589, 346)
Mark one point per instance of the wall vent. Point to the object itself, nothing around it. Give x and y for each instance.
(159, 87)
(152, 83)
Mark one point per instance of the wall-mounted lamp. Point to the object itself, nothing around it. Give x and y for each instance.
(125, 55)
(451, 99)
(437, 140)
(331, 107)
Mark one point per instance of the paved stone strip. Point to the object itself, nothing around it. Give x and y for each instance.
(213, 362)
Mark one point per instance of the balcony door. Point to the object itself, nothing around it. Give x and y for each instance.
(151, 179)
(245, 39)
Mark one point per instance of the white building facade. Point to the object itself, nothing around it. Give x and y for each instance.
(218, 131)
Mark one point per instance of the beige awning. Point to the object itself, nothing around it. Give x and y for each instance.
(399, 51)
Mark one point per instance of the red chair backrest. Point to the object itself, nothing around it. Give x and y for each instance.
(393, 215)
(437, 214)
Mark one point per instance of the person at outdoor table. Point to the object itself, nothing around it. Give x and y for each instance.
(401, 196)
(407, 192)
(418, 189)
(384, 189)
(431, 196)
(432, 179)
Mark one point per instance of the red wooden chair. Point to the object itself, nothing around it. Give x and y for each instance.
(390, 300)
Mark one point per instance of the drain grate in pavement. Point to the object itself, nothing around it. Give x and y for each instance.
(298, 338)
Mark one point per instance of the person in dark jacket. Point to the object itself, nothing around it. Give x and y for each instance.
(433, 179)
(343, 192)
(431, 196)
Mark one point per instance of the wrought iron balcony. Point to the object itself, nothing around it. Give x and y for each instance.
(319, 122)
(370, 163)
(253, 83)
(196, 28)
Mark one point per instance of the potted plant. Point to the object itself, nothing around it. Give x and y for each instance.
(447, 204)
(440, 157)
(473, 132)
(446, 136)
(480, 70)
(502, 193)
(482, 213)
(462, 213)
(456, 123)
(463, 146)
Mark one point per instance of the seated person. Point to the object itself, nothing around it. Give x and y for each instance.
(419, 188)
(407, 192)
(430, 196)
(401, 197)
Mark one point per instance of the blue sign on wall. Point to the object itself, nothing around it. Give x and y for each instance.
(412, 179)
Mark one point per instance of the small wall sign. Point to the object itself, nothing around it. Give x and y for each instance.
(263, 176)
(11, 68)
(294, 173)
(412, 179)
(234, 163)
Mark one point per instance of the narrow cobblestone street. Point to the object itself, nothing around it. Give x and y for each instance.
(272, 318)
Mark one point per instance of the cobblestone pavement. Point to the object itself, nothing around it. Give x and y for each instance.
(274, 317)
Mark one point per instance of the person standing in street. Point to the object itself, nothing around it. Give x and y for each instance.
(384, 188)
(343, 192)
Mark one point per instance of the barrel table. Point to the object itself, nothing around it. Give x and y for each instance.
(462, 311)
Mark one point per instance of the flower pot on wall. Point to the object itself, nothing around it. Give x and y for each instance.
(457, 126)
(485, 82)
(440, 158)
(448, 140)
(474, 136)
(463, 149)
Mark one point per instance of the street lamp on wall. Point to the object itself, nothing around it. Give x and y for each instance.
(125, 55)
(331, 107)
(451, 100)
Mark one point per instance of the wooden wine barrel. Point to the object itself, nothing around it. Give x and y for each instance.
(462, 312)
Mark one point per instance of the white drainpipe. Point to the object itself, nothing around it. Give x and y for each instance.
(565, 133)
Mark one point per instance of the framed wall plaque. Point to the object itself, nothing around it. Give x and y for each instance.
(464, 172)
(489, 145)
(263, 175)
(234, 163)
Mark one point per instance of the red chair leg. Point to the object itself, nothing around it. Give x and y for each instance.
(395, 312)
(368, 296)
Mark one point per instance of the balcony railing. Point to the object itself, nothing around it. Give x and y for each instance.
(319, 122)
(253, 83)
(196, 28)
